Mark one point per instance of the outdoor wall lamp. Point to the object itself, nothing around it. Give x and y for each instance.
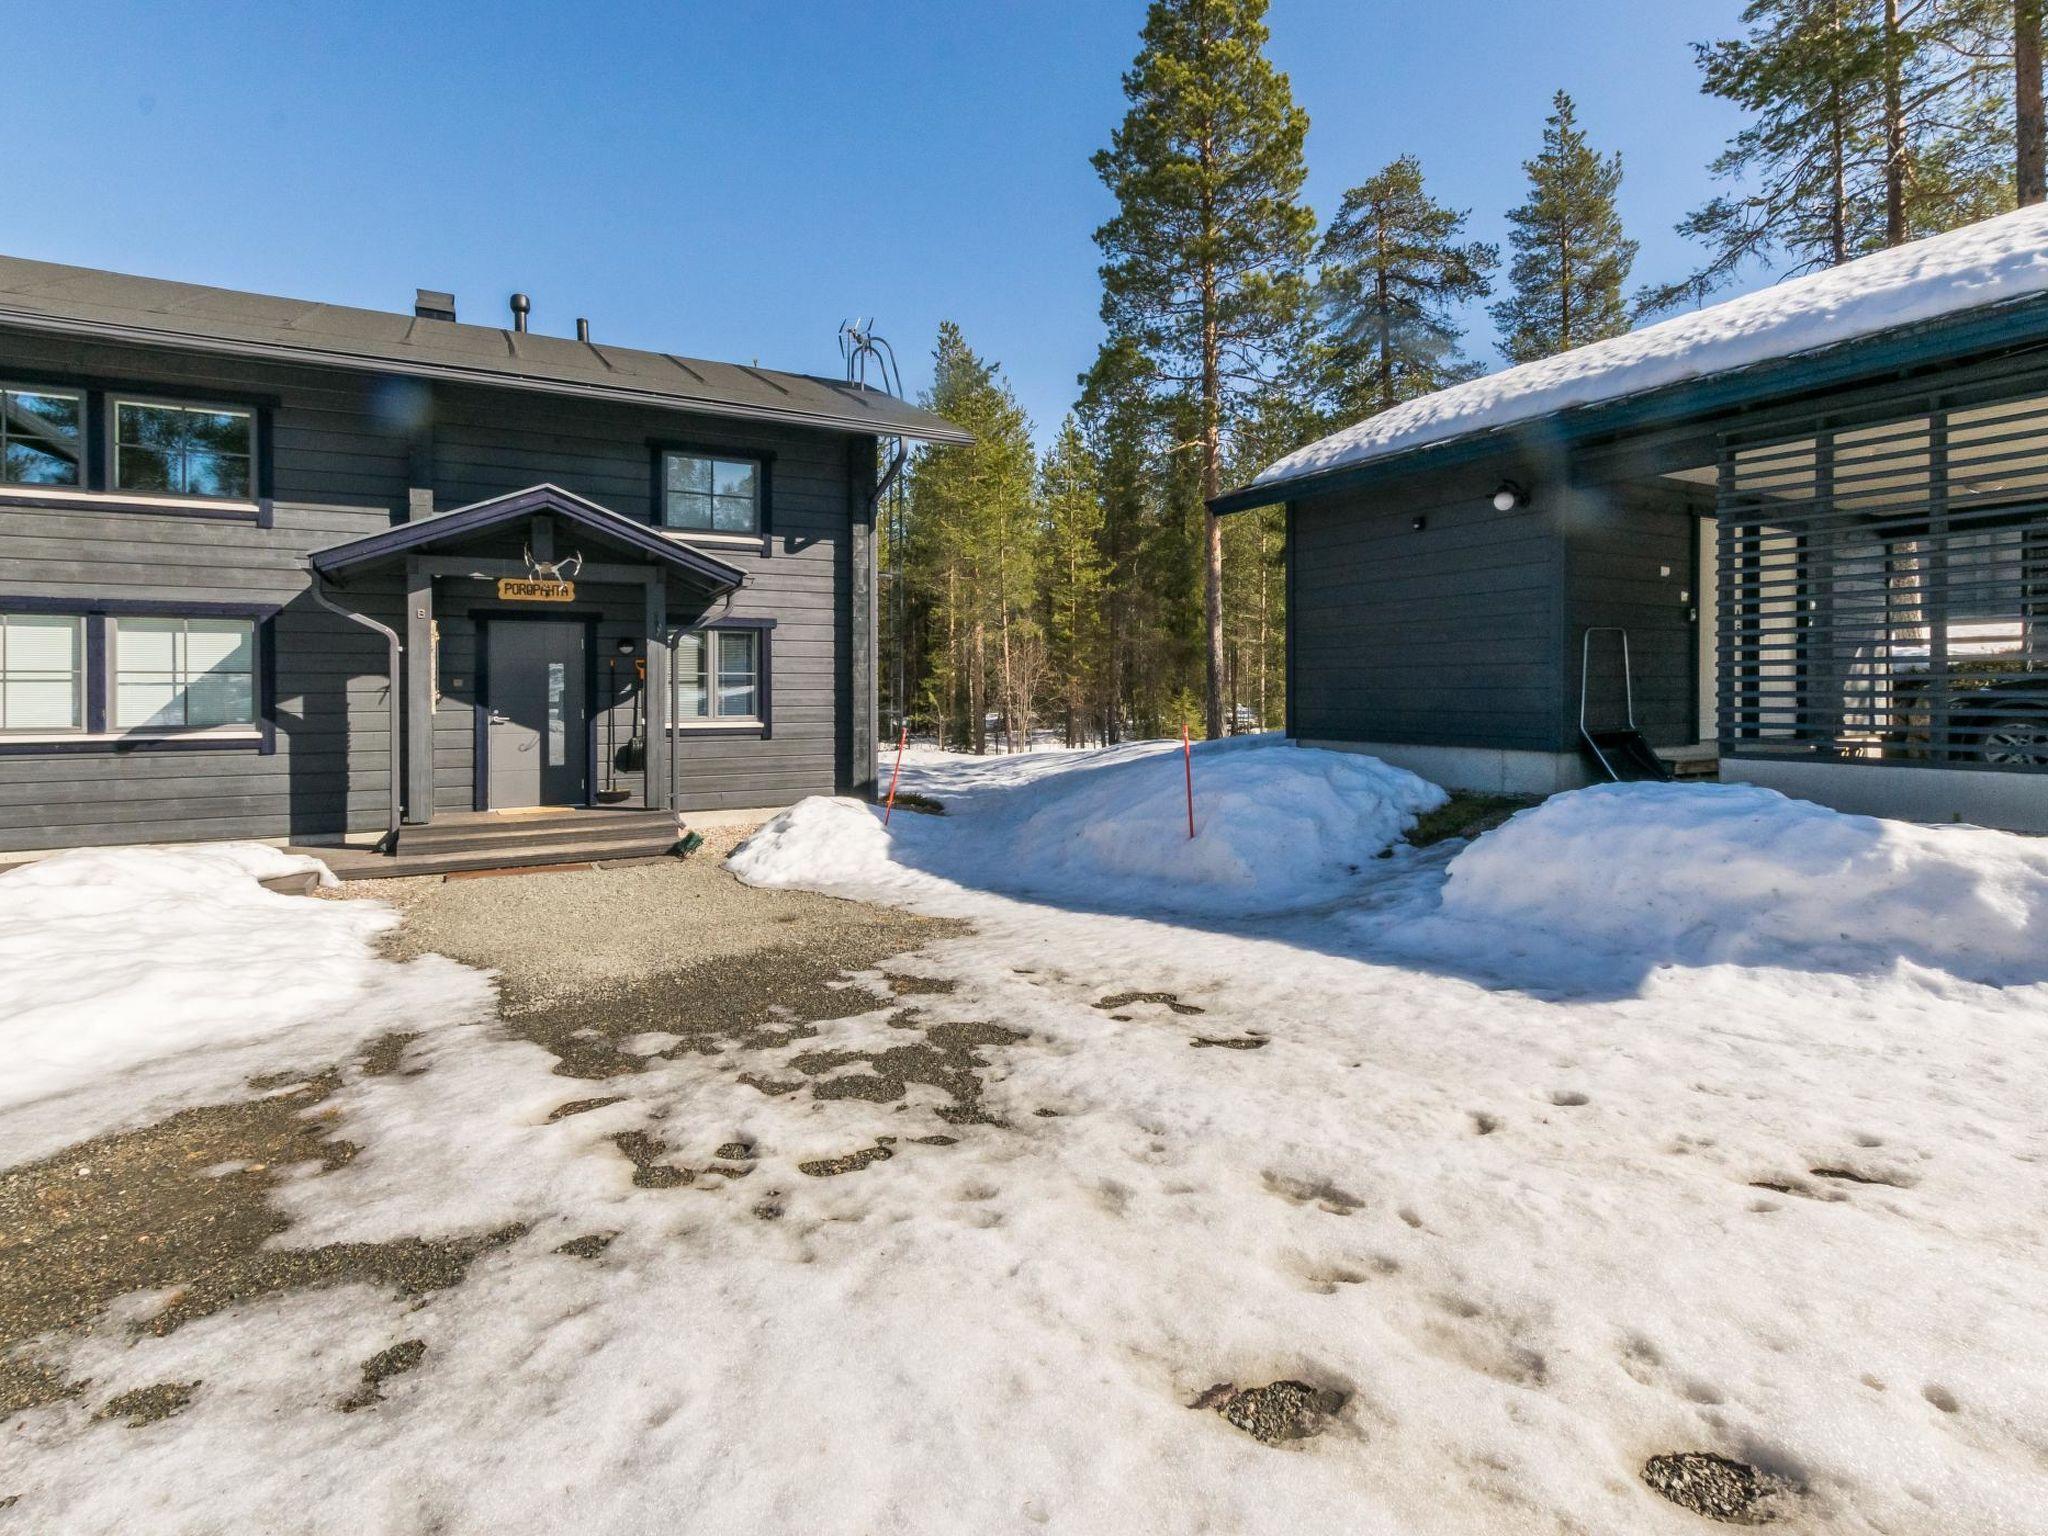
(1509, 497)
(1419, 524)
(626, 647)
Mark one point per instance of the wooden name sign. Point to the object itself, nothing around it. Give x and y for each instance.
(520, 590)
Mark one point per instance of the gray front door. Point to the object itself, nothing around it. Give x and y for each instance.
(536, 734)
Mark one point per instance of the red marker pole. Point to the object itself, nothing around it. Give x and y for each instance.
(1187, 752)
(902, 742)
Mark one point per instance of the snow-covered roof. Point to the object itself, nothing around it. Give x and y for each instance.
(1994, 262)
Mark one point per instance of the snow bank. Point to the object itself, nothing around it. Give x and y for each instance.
(1992, 262)
(120, 958)
(1712, 873)
(1277, 828)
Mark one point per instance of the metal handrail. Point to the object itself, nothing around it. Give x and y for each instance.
(1628, 683)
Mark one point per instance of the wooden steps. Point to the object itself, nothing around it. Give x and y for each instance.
(457, 844)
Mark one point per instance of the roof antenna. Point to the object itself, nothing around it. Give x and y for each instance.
(521, 307)
(862, 349)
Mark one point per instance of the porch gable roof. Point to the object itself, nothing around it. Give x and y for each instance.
(463, 522)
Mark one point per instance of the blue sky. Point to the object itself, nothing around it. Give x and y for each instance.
(731, 180)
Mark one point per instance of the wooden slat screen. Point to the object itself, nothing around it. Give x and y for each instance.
(1884, 589)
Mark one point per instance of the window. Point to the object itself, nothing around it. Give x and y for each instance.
(42, 672)
(173, 673)
(718, 676)
(710, 495)
(184, 450)
(42, 437)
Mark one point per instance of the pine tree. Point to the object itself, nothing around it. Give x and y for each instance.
(1076, 581)
(1571, 259)
(972, 548)
(1873, 122)
(1997, 45)
(1203, 260)
(1391, 271)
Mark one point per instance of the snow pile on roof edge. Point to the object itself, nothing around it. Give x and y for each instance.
(1992, 262)
(1277, 828)
(1734, 873)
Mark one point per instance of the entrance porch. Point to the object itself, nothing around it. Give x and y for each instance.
(533, 668)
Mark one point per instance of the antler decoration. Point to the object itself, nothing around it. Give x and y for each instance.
(553, 570)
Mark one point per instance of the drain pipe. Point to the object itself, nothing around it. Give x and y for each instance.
(675, 702)
(388, 844)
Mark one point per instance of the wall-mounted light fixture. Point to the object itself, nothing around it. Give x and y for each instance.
(1419, 524)
(1509, 497)
(626, 647)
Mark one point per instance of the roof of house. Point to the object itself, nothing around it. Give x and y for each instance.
(43, 296)
(1998, 262)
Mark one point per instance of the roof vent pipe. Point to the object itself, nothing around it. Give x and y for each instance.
(582, 329)
(521, 308)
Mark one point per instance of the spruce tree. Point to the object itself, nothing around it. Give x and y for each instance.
(1203, 259)
(1391, 271)
(1571, 259)
(972, 546)
(1076, 581)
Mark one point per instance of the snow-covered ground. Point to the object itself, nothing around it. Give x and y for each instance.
(141, 981)
(1606, 1137)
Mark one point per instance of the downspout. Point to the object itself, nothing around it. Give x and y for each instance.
(675, 701)
(388, 844)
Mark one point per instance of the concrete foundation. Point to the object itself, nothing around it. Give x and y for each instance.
(1485, 770)
(2016, 802)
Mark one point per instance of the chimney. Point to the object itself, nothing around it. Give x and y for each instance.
(522, 306)
(429, 305)
(582, 329)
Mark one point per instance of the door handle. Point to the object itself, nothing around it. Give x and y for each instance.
(498, 719)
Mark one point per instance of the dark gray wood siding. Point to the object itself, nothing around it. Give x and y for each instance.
(1629, 565)
(1445, 635)
(344, 450)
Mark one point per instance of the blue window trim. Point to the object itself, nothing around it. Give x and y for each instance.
(763, 725)
(660, 448)
(97, 493)
(97, 739)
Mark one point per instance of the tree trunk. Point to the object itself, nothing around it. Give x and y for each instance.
(1564, 289)
(1382, 298)
(1838, 204)
(1265, 579)
(1894, 131)
(977, 689)
(1212, 483)
(2030, 126)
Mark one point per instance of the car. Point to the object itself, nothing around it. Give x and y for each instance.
(2005, 722)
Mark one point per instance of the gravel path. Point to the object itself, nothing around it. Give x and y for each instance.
(557, 936)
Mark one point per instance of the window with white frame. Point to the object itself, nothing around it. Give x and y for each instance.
(184, 450)
(180, 673)
(42, 673)
(718, 676)
(708, 493)
(42, 437)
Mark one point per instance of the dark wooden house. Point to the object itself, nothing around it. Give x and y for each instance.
(1801, 538)
(282, 570)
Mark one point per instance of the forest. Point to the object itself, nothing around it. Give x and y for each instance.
(1088, 591)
